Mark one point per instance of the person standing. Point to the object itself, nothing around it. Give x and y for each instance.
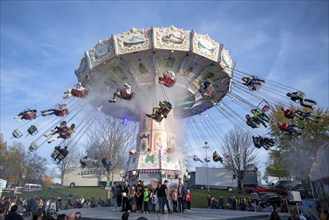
(154, 200)
(132, 199)
(119, 196)
(165, 194)
(146, 197)
(12, 215)
(125, 195)
(114, 196)
(188, 199)
(139, 200)
(209, 201)
(274, 214)
(159, 195)
(174, 197)
(181, 196)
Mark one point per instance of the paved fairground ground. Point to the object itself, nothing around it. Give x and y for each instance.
(196, 213)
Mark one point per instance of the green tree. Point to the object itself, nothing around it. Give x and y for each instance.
(19, 167)
(295, 154)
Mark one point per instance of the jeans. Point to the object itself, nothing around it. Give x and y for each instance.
(165, 202)
(160, 203)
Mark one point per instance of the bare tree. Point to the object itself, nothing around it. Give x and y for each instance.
(36, 167)
(111, 139)
(70, 161)
(241, 152)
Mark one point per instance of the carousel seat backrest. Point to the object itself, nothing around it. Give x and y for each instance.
(17, 133)
(32, 130)
(33, 146)
(127, 96)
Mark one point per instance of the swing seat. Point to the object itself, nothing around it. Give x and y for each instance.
(79, 93)
(65, 135)
(167, 81)
(30, 115)
(126, 96)
(210, 91)
(33, 146)
(158, 118)
(17, 134)
(266, 108)
(61, 112)
(206, 160)
(165, 108)
(32, 130)
(54, 154)
(301, 95)
(195, 158)
(132, 152)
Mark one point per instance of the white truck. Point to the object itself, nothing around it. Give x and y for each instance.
(3, 184)
(216, 178)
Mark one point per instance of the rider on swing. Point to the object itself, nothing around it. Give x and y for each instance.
(63, 131)
(253, 82)
(59, 153)
(290, 128)
(61, 110)
(260, 114)
(124, 93)
(168, 79)
(254, 122)
(263, 142)
(27, 114)
(290, 114)
(79, 91)
(206, 89)
(301, 97)
(196, 158)
(216, 157)
(158, 113)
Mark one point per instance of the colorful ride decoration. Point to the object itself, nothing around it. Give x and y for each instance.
(140, 57)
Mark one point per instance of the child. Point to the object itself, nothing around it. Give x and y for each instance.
(146, 200)
(188, 199)
(174, 197)
(154, 200)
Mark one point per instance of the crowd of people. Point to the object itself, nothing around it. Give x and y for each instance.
(140, 199)
(144, 199)
(242, 203)
(41, 208)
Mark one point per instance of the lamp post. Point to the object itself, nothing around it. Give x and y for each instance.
(206, 160)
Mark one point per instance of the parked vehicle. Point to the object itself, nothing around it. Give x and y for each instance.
(305, 191)
(264, 190)
(29, 187)
(285, 184)
(217, 178)
(271, 198)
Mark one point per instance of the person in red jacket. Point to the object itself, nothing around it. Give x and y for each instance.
(288, 113)
(79, 91)
(168, 79)
(60, 110)
(188, 199)
(27, 114)
(290, 128)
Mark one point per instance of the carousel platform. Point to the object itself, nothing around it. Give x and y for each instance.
(195, 214)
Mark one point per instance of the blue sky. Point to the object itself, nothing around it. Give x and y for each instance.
(42, 42)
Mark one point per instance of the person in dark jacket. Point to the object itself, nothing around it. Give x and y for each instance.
(12, 215)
